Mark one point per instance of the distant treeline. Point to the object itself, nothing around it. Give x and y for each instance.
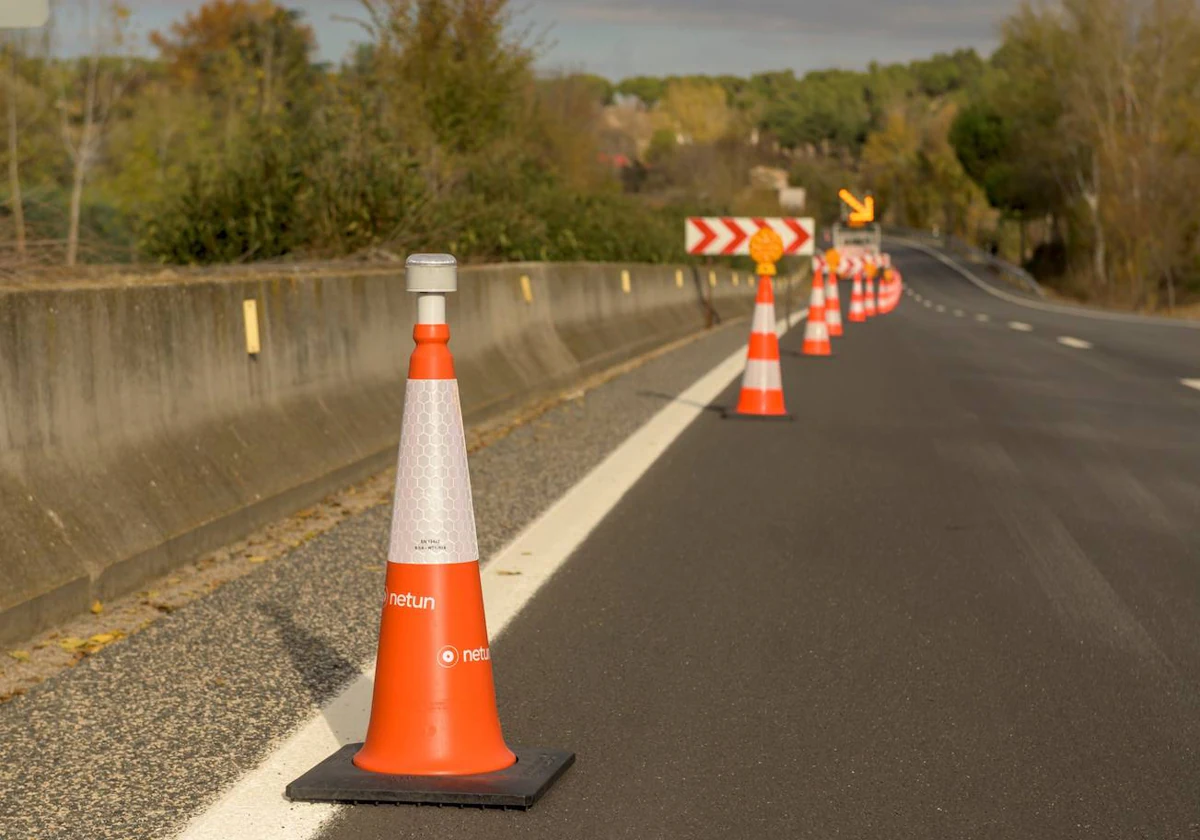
(1074, 148)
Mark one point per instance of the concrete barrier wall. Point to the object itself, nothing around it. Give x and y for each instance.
(136, 433)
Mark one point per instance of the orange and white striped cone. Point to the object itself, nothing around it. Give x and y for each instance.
(816, 331)
(857, 313)
(434, 731)
(889, 293)
(762, 382)
(833, 306)
(869, 306)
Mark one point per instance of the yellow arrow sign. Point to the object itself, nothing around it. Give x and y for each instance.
(862, 212)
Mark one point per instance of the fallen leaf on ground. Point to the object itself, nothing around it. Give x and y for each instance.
(97, 608)
(70, 643)
(257, 558)
(19, 655)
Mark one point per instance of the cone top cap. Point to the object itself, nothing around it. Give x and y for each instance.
(431, 273)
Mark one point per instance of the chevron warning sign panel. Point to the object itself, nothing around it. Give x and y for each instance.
(730, 235)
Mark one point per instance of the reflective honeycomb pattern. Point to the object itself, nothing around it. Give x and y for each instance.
(433, 520)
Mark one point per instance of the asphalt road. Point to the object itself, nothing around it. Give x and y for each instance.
(959, 597)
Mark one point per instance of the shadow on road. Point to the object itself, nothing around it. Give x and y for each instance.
(325, 673)
(658, 395)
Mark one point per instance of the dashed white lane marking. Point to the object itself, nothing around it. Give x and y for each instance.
(254, 807)
(928, 304)
(1046, 307)
(1077, 343)
(941, 308)
(1019, 326)
(1190, 383)
(981, 318)
(958, 313)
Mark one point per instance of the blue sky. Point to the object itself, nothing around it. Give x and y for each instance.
(621, 38)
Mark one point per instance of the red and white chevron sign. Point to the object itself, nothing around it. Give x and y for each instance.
(851, 264)
(730, 235)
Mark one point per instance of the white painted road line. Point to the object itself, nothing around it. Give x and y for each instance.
(958, 313)
(255, 808)
(928, 304)
(1019, 326)
(1191, 383)
(1077, 343)
(1078, 311)
(981, 318)
(941, 308)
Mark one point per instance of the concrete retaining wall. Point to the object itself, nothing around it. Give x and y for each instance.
(136, 433)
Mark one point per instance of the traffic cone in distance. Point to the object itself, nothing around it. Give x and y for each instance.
(869, 306)
(762, 382)
(434, 732)
(816, 331)
(833, 306)
(857, 313)
(889, 295)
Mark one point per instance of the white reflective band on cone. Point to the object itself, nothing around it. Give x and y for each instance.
(764, 319)
(433, 520)
(762, 376)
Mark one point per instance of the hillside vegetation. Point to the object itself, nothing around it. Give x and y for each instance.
(1074, 149)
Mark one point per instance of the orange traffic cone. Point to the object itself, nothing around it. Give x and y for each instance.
(833, 306)
(762, 383)
(869, 306)
(857, 314)
(889, 292)
(434, 732)
(816, 331)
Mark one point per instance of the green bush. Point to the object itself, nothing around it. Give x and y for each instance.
(244, 210)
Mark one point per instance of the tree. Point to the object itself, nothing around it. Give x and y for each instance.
(891, 158)
(698, 110)
(649, 89)
(25, 99)
(89, 90)
(945, 73)
(600, 89)
(460, 70)
(565, 123)
(1121, 79)
(251, 55)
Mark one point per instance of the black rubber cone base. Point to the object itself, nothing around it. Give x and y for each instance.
(336, 779)
(728, 413)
